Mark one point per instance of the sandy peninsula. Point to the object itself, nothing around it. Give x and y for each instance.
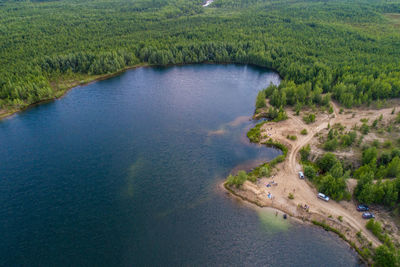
(305, 205)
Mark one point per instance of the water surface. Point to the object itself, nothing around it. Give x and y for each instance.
(125, 172)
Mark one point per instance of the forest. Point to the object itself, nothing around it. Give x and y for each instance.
(347, 50)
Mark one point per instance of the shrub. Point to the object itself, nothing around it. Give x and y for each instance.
(326, 162)
(374, 124)
(254, 134)
(364, 128)
(260, 101)
(331, 145)
(291, 196)
(291, 137)
(376, 143)
(374, 227)
(264, 171)
(310, 118)
(385, 257)
(309, 172)
(304, 132)
(369, 155)
(237, 180)
(305, 152)
(387, 144)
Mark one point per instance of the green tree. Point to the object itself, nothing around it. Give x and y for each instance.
(327, 161)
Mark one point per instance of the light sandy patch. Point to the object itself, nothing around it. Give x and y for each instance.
(287, 178)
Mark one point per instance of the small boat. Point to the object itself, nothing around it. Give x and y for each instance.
(284, 216)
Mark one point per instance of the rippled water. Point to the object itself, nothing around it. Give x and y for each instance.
(125, 172)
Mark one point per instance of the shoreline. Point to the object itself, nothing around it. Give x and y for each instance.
(293, 211)
(61, 93)
(296, 218)
(7, 113)
(291, 194)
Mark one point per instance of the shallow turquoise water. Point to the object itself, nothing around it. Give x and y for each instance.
(125, 172)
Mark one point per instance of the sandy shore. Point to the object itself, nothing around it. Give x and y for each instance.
(343, 215)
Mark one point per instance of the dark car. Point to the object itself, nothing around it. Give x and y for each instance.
(362, 208)
(368, 215)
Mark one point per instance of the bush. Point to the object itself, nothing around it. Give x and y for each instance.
(326, 162)
(333, 187)
(331, 145)
(375, 227)
(305, 152)
(387, 144)
(369, 155)
(304, 132)
(237, 180)
(254, 134)
(309, 119)
(291, 137)
(309, 172)
(384, 257)
(260, 101)
(264, 171)
(291, 196)
(364, 128)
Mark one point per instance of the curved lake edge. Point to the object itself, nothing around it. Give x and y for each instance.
(297, 219)
(6, 113)
(249, 192)
(103, 77)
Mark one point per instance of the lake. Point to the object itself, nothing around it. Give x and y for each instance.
(127, 172)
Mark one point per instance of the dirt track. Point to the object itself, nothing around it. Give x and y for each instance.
(304, 193)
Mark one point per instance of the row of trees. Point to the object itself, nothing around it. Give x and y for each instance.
(316, 47)
(378, 177)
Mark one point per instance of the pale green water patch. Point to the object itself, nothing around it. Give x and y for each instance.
(272, 220)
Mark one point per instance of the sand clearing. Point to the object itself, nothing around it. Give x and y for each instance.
(288, 181)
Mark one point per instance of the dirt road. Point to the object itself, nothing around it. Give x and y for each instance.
(288, 180)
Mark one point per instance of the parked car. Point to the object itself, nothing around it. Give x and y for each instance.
(301, 175)
(323, 197)
(368, 215)
(362, 207)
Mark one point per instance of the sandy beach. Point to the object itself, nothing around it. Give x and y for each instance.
(273, 191)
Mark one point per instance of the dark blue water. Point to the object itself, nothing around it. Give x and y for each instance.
(125, 172)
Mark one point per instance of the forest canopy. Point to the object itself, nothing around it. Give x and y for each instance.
(349, 49)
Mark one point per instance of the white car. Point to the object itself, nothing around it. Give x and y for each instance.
(301, 175)
(323, 197)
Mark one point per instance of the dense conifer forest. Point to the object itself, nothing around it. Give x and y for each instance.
(350, 49)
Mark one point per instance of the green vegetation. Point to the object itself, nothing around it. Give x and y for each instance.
(254, 134)
(305, 152)
(304, 132)
(337, 138)
(260, 101)
(263, 170)
(237, 180)
(310, 118)
(291, 196)
(332, 178)
(346, 50)
(371, 188)
(291, 137)
(275, 114)
(386, 254)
